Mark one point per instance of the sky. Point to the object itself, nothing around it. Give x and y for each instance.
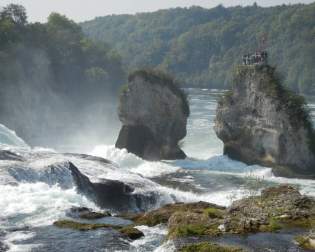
(81, 10)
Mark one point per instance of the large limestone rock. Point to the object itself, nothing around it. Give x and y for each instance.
(260, 122)
(153, 111)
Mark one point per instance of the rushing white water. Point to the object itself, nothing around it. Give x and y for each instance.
(32, 197)
(9, 138)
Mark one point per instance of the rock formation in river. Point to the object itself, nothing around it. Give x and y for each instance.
(153, 111)
(260, 122)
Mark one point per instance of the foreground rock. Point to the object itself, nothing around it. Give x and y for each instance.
(276, 209)
(82, 226)
(306, 241)
(86, 213)
(260, 122)
(10, 156)
(209, 247)
(129, 231)
(111, 194)
(153, 111)
(163, 214)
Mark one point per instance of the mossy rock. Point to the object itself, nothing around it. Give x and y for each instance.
(94, 215)
(273, 226)
(194, 230)
(81, 226)
(212, 212)
(209, 247)
(162, 215)
(305, 223)
(305, 242)
(131, 232)
(131, 216)
(153, 219)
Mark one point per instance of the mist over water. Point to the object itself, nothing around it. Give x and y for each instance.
(30, 203)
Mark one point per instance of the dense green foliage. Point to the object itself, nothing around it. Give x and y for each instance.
(51, 73)
(201, 46)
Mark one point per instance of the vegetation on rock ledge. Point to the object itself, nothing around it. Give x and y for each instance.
(128, 231)
(209, 247)
(82, 226)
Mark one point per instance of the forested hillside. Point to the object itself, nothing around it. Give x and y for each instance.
(201, 46)
(54, 81)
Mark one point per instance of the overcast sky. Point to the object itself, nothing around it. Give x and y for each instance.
(81, 10)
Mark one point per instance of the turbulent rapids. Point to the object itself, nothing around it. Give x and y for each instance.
(38, 186)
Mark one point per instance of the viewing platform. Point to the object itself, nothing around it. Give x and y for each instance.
(258, 58)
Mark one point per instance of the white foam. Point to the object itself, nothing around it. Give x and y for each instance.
(168, 246)
(18, 236)
(223, 198)
(38, 204)
(118, 156)
(154, 169)
(306, 186)
(132, 163)
(9, 137)
(43, 150)
(220, 164)
(152, 236)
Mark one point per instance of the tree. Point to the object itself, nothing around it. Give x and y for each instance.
(15, 13)
(202, 46)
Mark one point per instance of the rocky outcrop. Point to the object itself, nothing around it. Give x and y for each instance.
(10, 156)
(260, 122)
(86, 213)
(57, 169)
(153, 111)
(306, 241)
(208, 247)
(128, 231)
(278, 209)
(111, 194)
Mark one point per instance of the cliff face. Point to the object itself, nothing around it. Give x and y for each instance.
(153, 111)
(260, 122)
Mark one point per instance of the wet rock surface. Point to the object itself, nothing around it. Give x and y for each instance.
(88, 220)
(306, 241)
(131, 232)
(280, 211)
(111, 194)
(11, 156)
(54, 239)
(86, 213)
(153, 111)
(261, 122)
(209, 247)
